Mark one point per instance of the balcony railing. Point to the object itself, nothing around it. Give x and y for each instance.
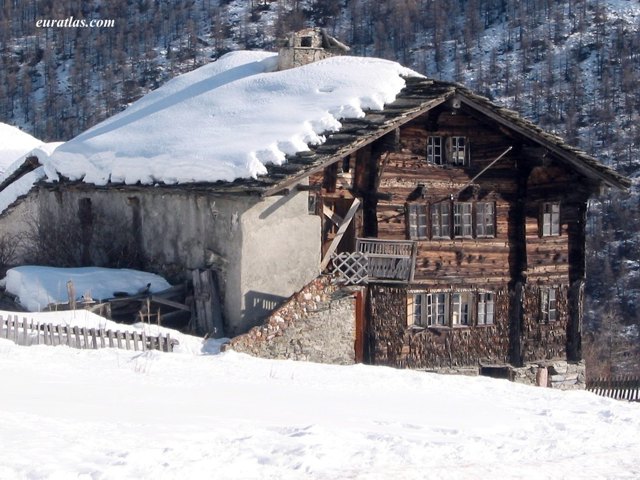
(388, 259)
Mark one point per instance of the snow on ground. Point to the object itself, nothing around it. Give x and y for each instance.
(14, 143)
(36, 286)
(109, 414)
(228, 119)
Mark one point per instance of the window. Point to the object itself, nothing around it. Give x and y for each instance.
(462, 224)
(548, 310)
(434, 150)
(486, 304)
(437, 308)
(460, 309)
(440, 217)
(417, 220)
(485, 220)
(306, 42)
(451, 217)
(450, 309)
(458, 151)
(430, 309)
(550, 219)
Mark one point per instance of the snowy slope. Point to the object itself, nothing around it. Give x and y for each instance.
(228, 119)
(14, 143)
(111, 414)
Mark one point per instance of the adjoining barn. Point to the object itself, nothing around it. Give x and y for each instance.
(462, 223)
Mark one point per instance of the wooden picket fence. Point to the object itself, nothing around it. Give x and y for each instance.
(622, 388)
(28, 332)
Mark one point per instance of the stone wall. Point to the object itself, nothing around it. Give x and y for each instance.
(557, 374)
(316, 324)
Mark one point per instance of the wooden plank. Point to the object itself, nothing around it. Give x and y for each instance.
(170, 303)
(341, 231)
(331, 215)
(85, 336)
(144, 341)
(71, 295)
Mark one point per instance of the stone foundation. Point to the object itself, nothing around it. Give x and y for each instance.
(316, 324)
(557, 374)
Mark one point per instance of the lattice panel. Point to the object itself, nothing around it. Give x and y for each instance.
(351, 267)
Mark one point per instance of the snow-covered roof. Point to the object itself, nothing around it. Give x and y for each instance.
(19, 177)
(14, 144)
(37, 286)
(228, 119)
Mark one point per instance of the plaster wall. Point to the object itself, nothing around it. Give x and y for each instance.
(280, 254)
(263, 250)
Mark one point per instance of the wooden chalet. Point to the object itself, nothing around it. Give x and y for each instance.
(463, 222)
(466, 223)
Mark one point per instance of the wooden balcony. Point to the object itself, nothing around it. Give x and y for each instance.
(388, 260)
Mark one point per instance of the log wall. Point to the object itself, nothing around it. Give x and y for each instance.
(389, 178)
(395, 344)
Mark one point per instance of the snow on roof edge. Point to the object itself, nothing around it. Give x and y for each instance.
(230, 124)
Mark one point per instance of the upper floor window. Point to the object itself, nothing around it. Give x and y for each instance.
(485, 220)
(548, 305)
(417, 221)
(550, 219)
(440, 220)
(434, 150)
(456, 151)
(451, 217)
(462, 224)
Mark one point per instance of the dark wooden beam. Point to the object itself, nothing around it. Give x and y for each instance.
(577, 275)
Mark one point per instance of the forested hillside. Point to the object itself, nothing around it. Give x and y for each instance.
(572, 66)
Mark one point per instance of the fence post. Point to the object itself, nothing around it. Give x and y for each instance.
(94, 340)
(15, 329)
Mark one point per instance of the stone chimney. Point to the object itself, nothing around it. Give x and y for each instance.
(307, 46)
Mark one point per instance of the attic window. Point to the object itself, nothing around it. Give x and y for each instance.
(447, 151)
(550, 219)
(306, 41)
(434, 150)
(457, 151)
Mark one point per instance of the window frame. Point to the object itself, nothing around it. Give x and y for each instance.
(451, 309)
(461, 309)
(485, 220)
(457, 154)
(434, 152)
(550, 219)
(416, 212)
(462, 219)
(486, 307)
(440, 229)
(548, 305)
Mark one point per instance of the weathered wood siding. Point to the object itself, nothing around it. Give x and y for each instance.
(393, 343)
(389, 177)
(544, 341)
